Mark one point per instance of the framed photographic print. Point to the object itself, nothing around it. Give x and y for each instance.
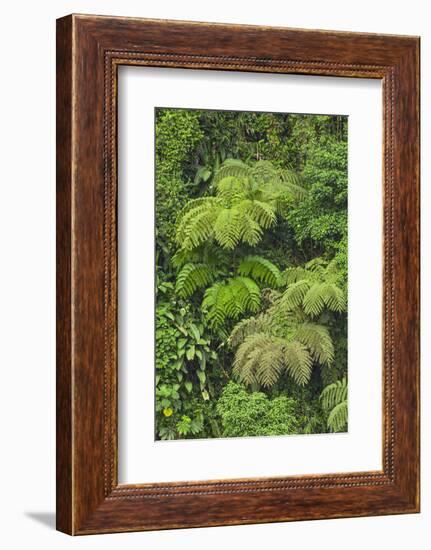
(237, 274)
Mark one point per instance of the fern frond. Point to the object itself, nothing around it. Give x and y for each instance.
(334, 394)
(230, 188)
(191, 277)
(294, 274)
(316, 265)
(247, 293)
(231, 168)
(270, 364)
(261, 359)
(197, 203)
(318, 341)
(333, 297)
(298, 362)
(265, 171)
(263, 213)
(243, 365)
(322, 290)
(250, 231)
(260, 269)
(247, 327)
(314, 301)
(337, 419)
(209, 254)
(196, 226)
(294, 296)
(227, 228)
(213, 304)
(321, 295)
(182, 257)
(292, 180)
(230, 300)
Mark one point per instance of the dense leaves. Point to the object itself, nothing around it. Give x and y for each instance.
(254, 414)
(251, 254)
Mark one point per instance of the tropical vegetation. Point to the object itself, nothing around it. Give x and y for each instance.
(251, 274)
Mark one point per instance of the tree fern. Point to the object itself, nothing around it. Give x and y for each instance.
(334, 401)
(232, 168)
(191, 277)
(337, 419)
(226, 228)
(252, 325)
(250, 231)
(247, 201)
(261, 359)
(334, 394)
(265, 349)
(260, 269)
(314, 288)
(294, 296)
(319, 342)
(278, 341)
(262, 213)
(230, 300)
(209, 254)
(196, 224)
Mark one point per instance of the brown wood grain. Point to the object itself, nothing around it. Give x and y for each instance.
(64, 496)
(89, 51)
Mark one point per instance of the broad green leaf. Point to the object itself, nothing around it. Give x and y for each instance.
(202, 377)
(190, 353)
(181, 343)
(203, 362)
(195, 331)
(178, 364)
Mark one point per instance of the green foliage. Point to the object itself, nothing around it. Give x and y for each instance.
(247, 201)
(321, 217)
(230, 299)
(313, 288)
(251, 255)
(260, 269)
(187, 426)
(177, 133)
(334, 401)
(191, 277)
(254, 414)
(318, 341)
(264, 350)
(261, 359)
(185, 361)
(334, 394)
(281, 340)
(337, 419)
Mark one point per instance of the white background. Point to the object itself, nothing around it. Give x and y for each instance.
(141, 458)
(27, 125)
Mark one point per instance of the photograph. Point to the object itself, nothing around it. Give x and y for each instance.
(214, 240)
(251, 254)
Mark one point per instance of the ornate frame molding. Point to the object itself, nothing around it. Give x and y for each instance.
(90, 49)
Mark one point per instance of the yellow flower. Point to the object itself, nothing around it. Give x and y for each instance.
(167, 411)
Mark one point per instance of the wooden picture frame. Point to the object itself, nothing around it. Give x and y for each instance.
(89, 51)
